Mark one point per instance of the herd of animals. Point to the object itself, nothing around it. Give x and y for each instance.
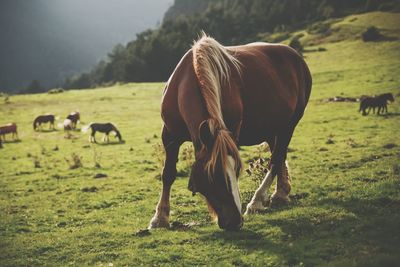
(367, 103)
(69, 124)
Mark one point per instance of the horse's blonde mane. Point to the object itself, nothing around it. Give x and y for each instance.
(213, 67)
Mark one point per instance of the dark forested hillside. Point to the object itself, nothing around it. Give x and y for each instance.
(154, 53)
(49, 40)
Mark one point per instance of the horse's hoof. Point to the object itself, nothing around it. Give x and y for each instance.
(158, 223)
(278, 201)
(254, 207)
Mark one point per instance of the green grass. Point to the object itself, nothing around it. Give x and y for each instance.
(346, 195)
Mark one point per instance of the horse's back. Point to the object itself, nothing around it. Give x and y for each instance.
(274, 84)
(276, 88)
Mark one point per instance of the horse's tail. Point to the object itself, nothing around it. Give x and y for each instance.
(86, 128)
(213, 66)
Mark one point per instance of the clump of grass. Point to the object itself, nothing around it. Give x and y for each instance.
(188, 156)
(42, 150)
(75, 162)
(256, 171)
(159, 154)
(96, 158)
(396, 169)
(36, 162)
(7, 99)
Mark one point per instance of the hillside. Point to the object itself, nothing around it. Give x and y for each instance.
(50, 40)
(154, 54)
(345, 174)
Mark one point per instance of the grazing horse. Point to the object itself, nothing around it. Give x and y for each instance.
(43, 119)
(74, 117)
(10, 128)
(105, 128)
(380, 102)
(220, 98)
(68, 125)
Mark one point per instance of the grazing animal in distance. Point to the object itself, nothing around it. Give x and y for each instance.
(39, 120)
(67, 125)
(220, 98)
(105, 128)
(10, 128)
(371, 102)
(75, 118)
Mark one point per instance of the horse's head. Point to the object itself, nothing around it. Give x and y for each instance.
(215, 173)
(118, 135)
(390, 97)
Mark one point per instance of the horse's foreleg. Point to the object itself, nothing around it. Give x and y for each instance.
(171, 145)
(260, 197)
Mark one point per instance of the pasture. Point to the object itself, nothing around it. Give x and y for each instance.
(345, 170)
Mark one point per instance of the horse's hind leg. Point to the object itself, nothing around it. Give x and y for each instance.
(92, 137)
(283, 186)
(171, 145)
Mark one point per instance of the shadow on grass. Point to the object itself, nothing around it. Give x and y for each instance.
(390, 115)
(46, 130)
(111, 143)
(348, 232)
(16, 141)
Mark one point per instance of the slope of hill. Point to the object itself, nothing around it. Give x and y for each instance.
(345, 175)
(50, 40)
(154, 54)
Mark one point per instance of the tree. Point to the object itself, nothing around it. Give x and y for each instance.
(33, 88)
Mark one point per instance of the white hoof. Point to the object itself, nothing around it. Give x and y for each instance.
(158, 222)
(254, 207)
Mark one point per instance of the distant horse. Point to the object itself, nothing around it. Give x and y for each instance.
(380, 102)
(10, 128)
(68, 125)
(74, 117)
(222, 97)
(105, 128)
(43, 119)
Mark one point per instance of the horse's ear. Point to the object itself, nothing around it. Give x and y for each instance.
(206, 137)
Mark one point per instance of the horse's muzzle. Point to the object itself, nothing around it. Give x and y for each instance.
(233, 224)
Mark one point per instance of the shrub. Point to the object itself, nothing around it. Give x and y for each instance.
(371, 34)
(55, 91)
(296, 45)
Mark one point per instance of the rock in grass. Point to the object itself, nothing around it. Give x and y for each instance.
(100, 175)
(89, 189)
(389, 146)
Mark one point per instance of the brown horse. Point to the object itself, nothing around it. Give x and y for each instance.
(222, 97)
(10, 128)
(74, 117)
(380, 102)
(43, 119)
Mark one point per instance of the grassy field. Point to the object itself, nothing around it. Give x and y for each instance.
(345, 175)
